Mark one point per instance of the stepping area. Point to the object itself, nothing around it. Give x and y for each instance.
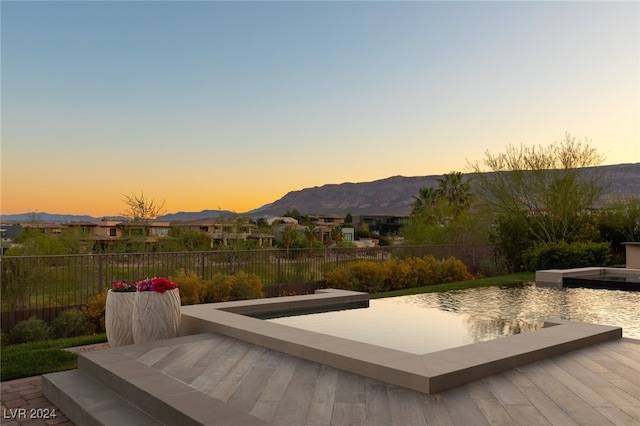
(230, 368)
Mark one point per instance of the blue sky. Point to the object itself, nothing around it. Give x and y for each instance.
(231, 105)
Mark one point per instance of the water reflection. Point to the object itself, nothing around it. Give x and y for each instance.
(429, 322)
(529, 303)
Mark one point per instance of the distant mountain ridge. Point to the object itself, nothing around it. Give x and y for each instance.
(390, 196)
(394, 195)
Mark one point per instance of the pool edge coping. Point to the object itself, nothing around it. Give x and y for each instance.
(427, 373)
(553, 278)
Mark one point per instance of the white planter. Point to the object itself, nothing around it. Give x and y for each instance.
(117, 317)
(156, 316)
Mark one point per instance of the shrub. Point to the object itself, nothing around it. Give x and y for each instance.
(30, 330)
(70, 323)
(567, 255)
(94, 311)
(245, 286)
(338, 278)
(494, 267)
(396, 274)
(453, 270)
(191, 287)
(422, 270)
(226, 287)
(217, 289)
(366, 275)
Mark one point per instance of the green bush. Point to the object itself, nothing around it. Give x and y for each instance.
(191, 286)
(30, 330)
(567, 255)
(94, 311)
(494, 267)
(338, 278)
(246, 286)
(70, 323)
(396, 274)
(217, 289)
(226, 287)
(366, 275)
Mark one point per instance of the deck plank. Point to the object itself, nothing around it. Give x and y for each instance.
(248, 391)
(483, 393)
(296, 400)
(505, 391)
(377, 410)
(572, 404)
(598, 385)
(273, 392)
(462, 408)
(405, 407)
(321, 408)
(580, 382)
(546, 406)
(232, 380)
(434, 410)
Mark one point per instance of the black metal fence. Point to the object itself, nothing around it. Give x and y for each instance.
(45, 285)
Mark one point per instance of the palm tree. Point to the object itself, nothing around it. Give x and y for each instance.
(456, 192)
(427, 198)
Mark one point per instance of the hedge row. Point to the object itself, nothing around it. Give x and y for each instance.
(220, 288)
(90, 320)
(397, 274)
(567, 255)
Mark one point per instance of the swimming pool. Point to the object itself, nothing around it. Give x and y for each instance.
(429, 322)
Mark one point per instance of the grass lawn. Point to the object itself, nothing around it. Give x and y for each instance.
(35, 358)
(504, 280)
(32, 359)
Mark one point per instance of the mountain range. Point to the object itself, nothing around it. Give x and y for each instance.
(391, 196)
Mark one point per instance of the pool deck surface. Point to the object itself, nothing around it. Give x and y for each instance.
(231, 369)
(598, 385)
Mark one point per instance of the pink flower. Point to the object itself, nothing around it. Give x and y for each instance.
(123, 286)
(159, 285)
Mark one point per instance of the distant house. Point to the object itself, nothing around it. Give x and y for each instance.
(387, 226)
(223, 231)
(283, 219)
(105, 232)
(8, 233)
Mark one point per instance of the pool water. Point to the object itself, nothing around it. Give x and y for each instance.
(430, 322)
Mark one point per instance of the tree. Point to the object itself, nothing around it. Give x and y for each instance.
(141, 209)
(311, 234)
(543, 190)
(183, 238)
(425, 204)
(441, 215)
(618, 222)
(294, 214)
(336, 235)
(289, 236)
(455, 191)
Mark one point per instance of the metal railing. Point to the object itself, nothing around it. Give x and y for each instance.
(33, 284)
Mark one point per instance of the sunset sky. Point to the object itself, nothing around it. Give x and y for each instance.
(231, 105)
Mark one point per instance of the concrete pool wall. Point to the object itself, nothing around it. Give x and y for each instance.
(428, 373)
(553, 278)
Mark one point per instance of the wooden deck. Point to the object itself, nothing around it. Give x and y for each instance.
(598, 385)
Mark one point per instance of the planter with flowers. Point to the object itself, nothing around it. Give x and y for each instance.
(118, 313)
(156, 311)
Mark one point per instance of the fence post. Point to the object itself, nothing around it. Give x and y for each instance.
(202, 268)
(100, 277)
(278, 280)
